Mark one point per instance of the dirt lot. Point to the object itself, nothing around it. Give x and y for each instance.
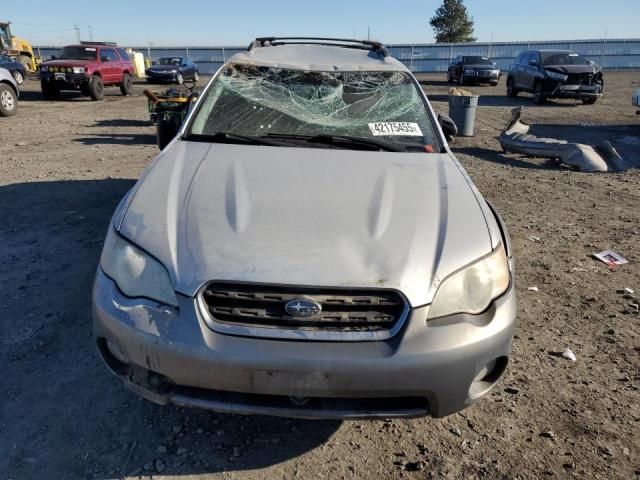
(64, 165)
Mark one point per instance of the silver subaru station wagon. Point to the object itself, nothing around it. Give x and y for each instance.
(308, 246)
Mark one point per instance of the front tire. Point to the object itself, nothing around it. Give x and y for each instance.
(512, 92)
(538, 95)
(49, 91)
(126, 86)
(196, 77)
(96, 88)
(449, 77)
(179, 79)
(8, 101)
(26, 61)
(18, 77)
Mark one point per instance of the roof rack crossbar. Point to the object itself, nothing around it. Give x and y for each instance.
(333, 42)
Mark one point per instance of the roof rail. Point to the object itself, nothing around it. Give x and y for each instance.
(332, 42)
(110, 44)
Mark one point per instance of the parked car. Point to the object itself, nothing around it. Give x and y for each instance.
(17, 69)
(555, 74)
(173, 70)
(88, 68)
(9, 93)
(308, 246)
(473, 69)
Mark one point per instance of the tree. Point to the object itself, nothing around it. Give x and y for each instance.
(452, 23)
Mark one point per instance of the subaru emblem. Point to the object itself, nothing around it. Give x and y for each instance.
(301, 308)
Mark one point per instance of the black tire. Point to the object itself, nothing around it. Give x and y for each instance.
(8, 101)
(196, 77)
(18, 77)
(96, 88)
(538, 95)
(126, 87)
(512, 91)
(494, 84)
(179, 79)
(589, 101)
(449, 76)
(462, 80)
(166, 130)
(49, 91)
(26, 61)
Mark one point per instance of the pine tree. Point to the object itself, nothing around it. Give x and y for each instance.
(452, 23)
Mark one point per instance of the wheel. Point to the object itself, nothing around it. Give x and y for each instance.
(179, 79)
(127, 84)
(589, 101)
(538, 95)
(494, 84)
(511, 88)
(449, 77)
(8, 101)
(196, 77)
(26, 61)
(49, 91)
(165, 131)
(18, 77)
(462, 80)
(96, 88)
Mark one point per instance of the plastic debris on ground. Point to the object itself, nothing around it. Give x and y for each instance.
(611, 258)
(533, 289)
(569, 355)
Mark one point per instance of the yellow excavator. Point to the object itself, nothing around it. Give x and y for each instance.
(17, 48)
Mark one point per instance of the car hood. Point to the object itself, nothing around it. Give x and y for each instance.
(573, 68)
(306, 216)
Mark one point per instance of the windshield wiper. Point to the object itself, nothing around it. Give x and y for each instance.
(226, 137)
(338, 140)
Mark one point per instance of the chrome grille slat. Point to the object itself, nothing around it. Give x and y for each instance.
(343, 310)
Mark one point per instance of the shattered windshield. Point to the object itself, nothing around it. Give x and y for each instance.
(78, 53)
(477, 61)
(564, 59)
(262, 101)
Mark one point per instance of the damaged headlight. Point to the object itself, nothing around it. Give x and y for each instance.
(136, 273)
(556, 76)
(472, 289)
(78, 69)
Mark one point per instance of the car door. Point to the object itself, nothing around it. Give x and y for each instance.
(188, 68)
(110, 68)
(517, 71)
(532, 66)
(457, 67)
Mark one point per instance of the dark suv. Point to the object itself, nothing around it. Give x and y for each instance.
(466, 69)
(88, 67)
(555, 74)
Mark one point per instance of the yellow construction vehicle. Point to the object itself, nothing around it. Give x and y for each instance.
(17, 48)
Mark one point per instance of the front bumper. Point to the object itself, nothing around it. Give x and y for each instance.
(161, 76)
(65, 81)
(481, 76)
(575, 91)
(172, 356)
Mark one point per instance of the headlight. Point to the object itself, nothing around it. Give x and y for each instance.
(472, 289)
(496, 71)
(556, 76)
(135, 272)
(78, 69)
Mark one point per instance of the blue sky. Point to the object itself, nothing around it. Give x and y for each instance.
(202, 22)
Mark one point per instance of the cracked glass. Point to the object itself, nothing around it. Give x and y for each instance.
(257, 101)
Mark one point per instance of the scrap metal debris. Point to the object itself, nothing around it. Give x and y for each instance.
(515, 137)
(611, 258)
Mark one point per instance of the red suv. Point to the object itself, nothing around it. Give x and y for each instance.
(88, 67)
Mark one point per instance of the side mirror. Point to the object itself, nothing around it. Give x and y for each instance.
(592, 63)
(449, 127)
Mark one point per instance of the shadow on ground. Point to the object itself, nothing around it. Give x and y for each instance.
(70, 418)
(122, 122)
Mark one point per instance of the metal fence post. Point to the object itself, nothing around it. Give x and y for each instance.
(411, 63)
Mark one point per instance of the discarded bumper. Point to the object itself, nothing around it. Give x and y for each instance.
(515, 137)
(434, 368)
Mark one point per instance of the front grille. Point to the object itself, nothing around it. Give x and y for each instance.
(342, 310)
(580, 79)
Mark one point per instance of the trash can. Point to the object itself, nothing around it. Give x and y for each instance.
(462, 110)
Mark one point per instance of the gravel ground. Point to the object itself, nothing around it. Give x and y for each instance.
(64, 165)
